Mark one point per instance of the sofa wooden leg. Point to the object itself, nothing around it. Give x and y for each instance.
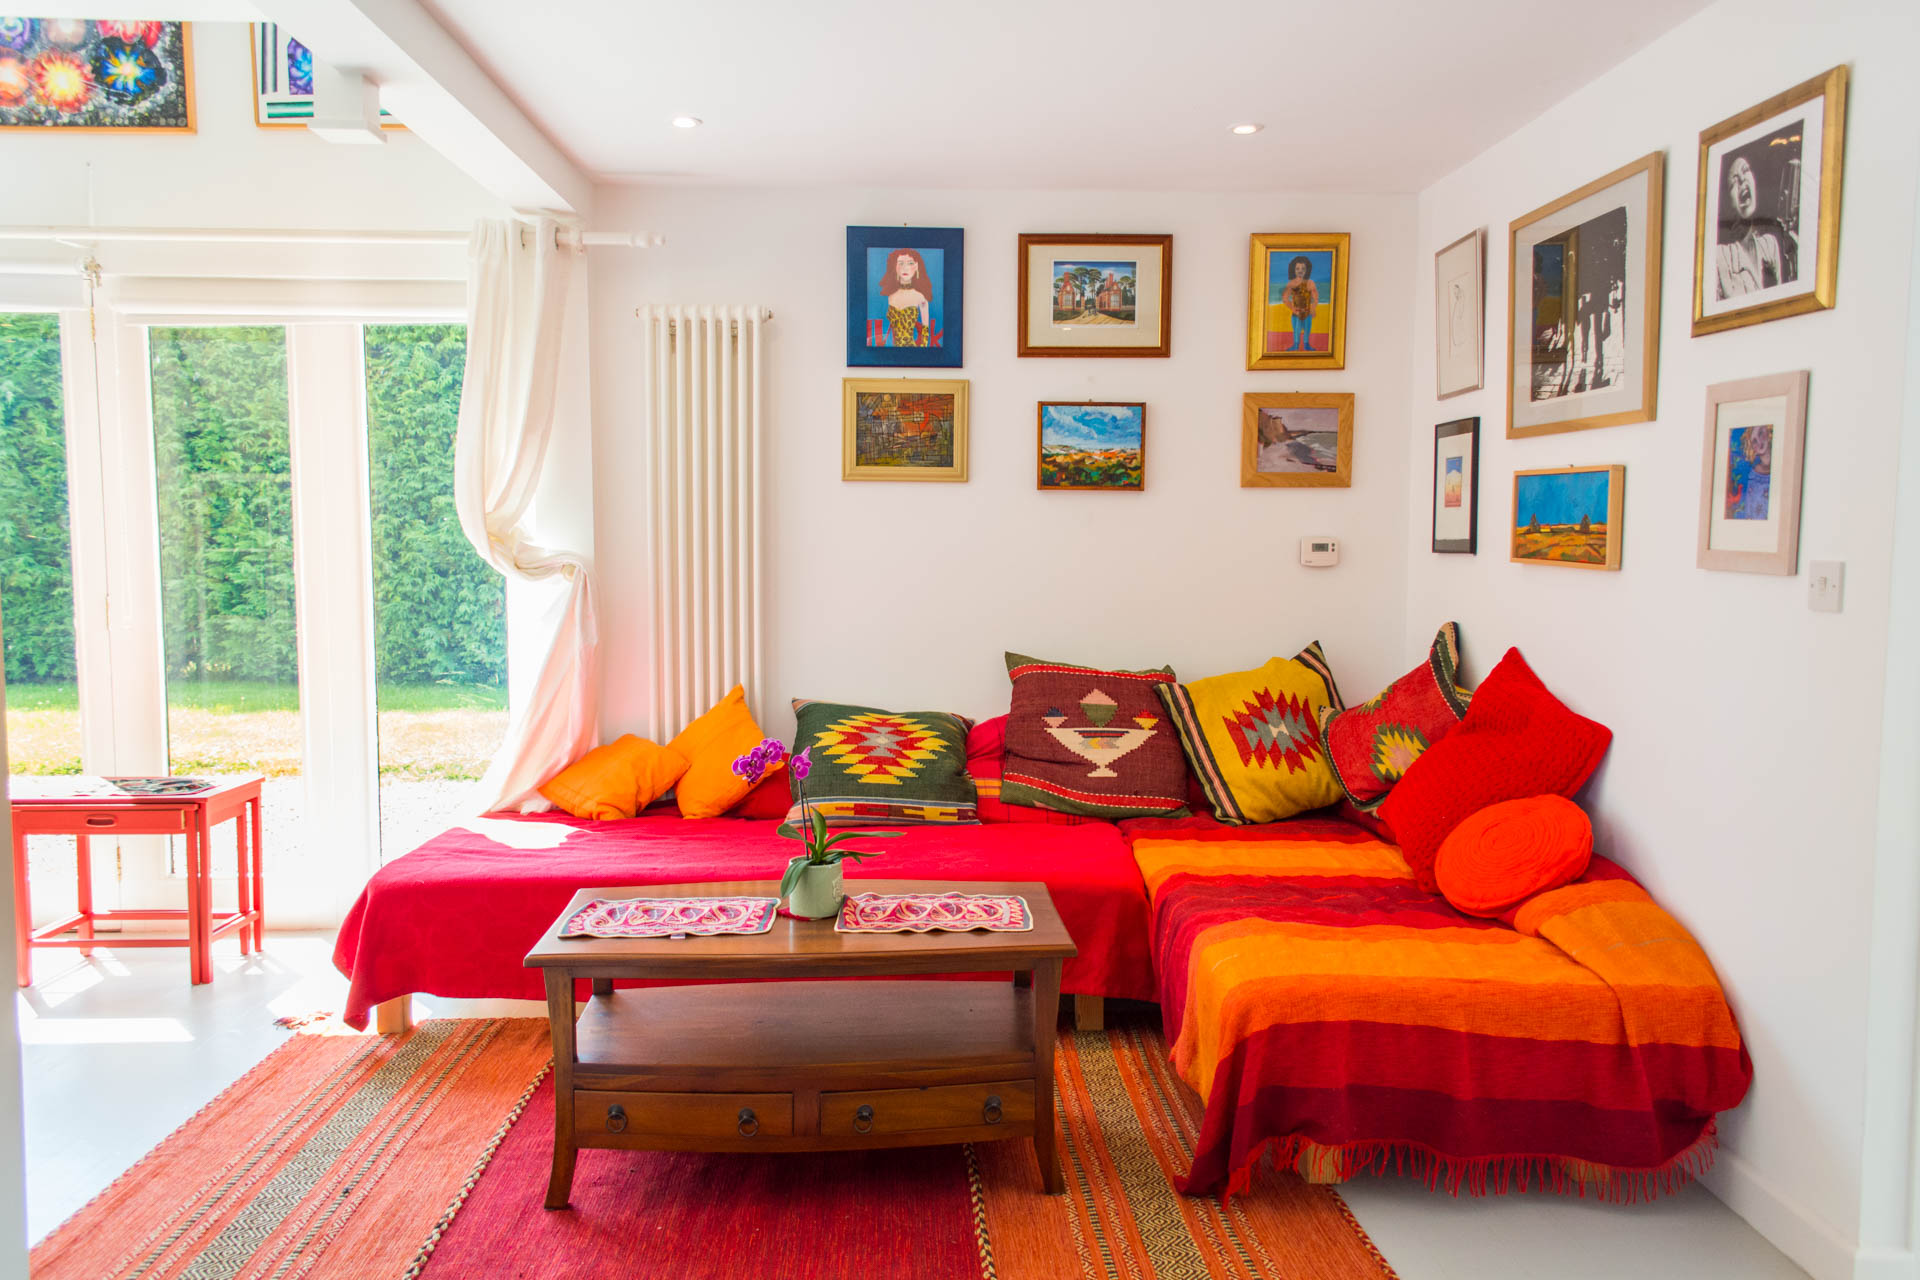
(393, 1016)
(1089, 1013)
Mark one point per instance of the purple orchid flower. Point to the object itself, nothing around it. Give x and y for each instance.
(802, 765)
(754, 764)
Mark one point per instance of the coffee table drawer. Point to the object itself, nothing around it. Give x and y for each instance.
(735, 1116)
(958, 1106)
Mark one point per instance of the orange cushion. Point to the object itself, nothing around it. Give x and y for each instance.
(711, 744)
(616, 780)
(1505, 853)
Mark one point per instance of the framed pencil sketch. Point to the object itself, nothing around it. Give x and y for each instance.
(903, 429)
(905, 296)
(1583, 305)
(1750, 476)
(1459, 321)
(1297, 301)
(1569, 516)
(1766, 231)
(1096, 295)
(1456, 486)
(1086, 444)
(1296, 440)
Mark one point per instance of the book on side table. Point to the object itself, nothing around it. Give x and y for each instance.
(817, 1065)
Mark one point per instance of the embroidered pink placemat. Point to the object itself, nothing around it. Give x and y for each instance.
(926, 912)
(666, 917)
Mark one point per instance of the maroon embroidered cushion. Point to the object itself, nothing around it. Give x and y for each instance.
(1372, 745)
(1090, 740)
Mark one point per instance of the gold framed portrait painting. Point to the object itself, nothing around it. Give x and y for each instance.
(1297, 301)
(1296, 440)
(1766, 232)
(903, 429)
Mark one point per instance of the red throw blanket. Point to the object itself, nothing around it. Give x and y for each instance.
(457, 916)
(1329, 1009)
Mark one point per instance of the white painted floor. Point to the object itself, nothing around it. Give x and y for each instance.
(121, 1050)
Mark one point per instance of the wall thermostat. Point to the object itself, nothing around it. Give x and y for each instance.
(1319, 552)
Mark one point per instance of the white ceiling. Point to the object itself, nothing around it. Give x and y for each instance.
(1356, 95)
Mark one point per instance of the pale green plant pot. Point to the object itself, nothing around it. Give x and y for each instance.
(818, 893)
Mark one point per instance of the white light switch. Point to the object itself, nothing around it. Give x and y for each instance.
(1824, 580)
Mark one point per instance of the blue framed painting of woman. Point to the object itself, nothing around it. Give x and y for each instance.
(905, 297)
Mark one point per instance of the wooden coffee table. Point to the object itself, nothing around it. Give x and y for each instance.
(803, 1066)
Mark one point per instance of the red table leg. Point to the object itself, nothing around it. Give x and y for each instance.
(243, 878)
(22, 911)
(83, 877)
(259, 880)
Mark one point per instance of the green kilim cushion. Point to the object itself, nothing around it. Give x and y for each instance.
(883, 768)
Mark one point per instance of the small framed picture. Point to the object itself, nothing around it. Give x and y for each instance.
(1583, 310)
(1297, 301)
(1087, 444)
(906, 297)
(1750, 477)
(903, 429)
(1459, 295)
(1456, 486)
(1096, 295)
(1569, 516)
(1296, 440)
(283, 80)
(1766, 238)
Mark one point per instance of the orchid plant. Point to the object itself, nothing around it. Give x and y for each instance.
(821, 850)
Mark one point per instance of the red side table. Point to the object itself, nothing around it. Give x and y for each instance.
(84, 807)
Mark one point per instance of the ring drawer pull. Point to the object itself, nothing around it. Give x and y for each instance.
(616, 1119)
(992, 1111)
(863, 1120)
(100, 820)
(749, 1123)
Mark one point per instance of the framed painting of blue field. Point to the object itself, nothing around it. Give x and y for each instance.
(1569, 516)
(906, 297)
(1093, 445)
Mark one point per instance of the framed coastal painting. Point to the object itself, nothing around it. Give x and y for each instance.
(1295, 440)
(1750, 475)
(1095, 295)
(1086, 444)
(905, 297)
(1583, 310)
(1766, 237)
(283, 80)
(1569, 516)
(95, 75)
(1297, 301)
(1459, 295)
(1456, 486)
(903, 429)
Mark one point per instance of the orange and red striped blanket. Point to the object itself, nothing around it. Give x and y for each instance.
(1329, 1009)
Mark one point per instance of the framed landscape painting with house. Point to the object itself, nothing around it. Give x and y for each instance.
(906, 297)
(1093, 445)
(901, 429)
(1095, 295)
(1569, 516)
(1295, 440)
(1297, 301)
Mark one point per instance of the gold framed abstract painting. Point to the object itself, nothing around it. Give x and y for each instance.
(1297, 301)
(903, 429)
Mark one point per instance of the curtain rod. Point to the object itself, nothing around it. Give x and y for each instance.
(258, 235)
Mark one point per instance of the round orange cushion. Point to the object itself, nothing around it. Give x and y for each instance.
(1507, 852)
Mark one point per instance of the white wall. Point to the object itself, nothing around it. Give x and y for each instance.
(1743, 779)
(906, 595)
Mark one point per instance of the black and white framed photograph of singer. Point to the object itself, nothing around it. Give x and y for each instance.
(1583, 312)
(1767, 221)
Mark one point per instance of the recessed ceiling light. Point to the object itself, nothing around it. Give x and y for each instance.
(1248, 128)
(686, 122)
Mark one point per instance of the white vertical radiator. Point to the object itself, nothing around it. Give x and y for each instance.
(705, 405)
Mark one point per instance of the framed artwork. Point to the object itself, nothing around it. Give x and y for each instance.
(96, 75)
(1087, 444)
(1096, 295)
(1295, 440)
(1459, 322)
(1766, 231)
(1583, 310)
(903, 429)
(1750, 477)
(283, 80)
(1456, 486)
(1297, 302)
(1569, 516)
(905, 296)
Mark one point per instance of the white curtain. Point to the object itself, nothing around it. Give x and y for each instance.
(516, 298)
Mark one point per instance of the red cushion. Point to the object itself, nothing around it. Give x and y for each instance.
(986, 746)
(1508, 852)
(770, 798)
(1372, 746)
(1517, 740)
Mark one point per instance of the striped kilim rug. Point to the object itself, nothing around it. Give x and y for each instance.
(427, 1156)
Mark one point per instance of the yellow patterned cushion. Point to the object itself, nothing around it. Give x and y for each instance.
(1253, 737)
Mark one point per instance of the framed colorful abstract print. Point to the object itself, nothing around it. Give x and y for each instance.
(1750, 477)
(1456, 486)
(283, 80)
(1297, 302)
(1095, 295)
(905, 297)
(901, 429)
(1459, 321)
(1583, 306)
(1766, 231)
(1569, 516)
(96, 75)
(1296, 440)
(1092, 445)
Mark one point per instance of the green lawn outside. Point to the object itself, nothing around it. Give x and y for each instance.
(247, 695)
